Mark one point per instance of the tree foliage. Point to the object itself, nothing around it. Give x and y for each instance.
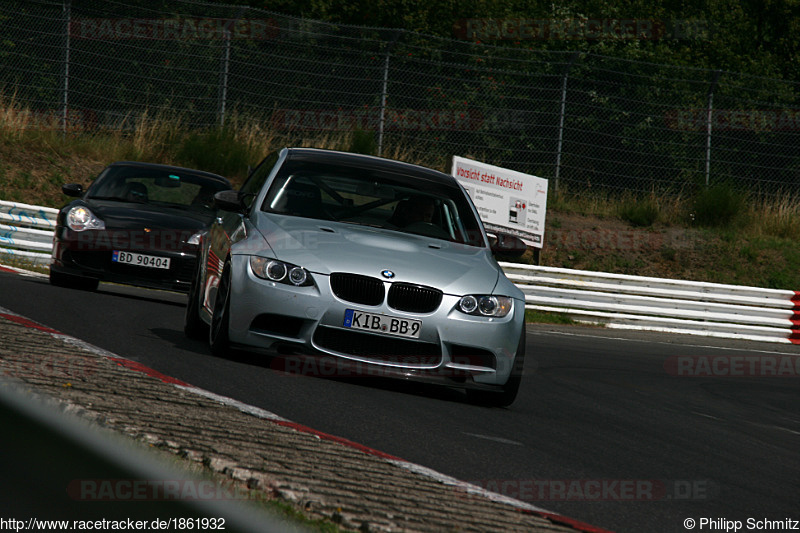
(757, 37)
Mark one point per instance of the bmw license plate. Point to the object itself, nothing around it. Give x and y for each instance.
(402, 327)
(149, 261)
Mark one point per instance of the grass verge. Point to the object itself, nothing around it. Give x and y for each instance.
(546, 317)
(23, 263)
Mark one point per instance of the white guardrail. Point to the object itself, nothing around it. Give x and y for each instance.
(616, 300)
(26, 231)
(655, 304)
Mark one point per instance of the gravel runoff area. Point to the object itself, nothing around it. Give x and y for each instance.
(252, 451)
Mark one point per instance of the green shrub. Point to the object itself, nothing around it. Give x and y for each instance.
(668, 253)
(641, 213)
(363, 142)
(718, 206)
(217, 150)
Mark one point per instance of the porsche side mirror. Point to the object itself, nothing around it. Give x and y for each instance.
(72, 189)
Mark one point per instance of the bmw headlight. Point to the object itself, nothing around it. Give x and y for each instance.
(80, 218)
(485, 305)
(280, 272)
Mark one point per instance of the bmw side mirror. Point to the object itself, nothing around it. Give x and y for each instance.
(72, 189)
(506, 244)
(230, 201)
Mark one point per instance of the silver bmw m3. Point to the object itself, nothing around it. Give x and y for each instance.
(378, 265)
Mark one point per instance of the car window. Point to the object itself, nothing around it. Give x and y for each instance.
(377, 198)
(258, 177)
(168, 187)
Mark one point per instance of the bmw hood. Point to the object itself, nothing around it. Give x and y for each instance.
(324, 247)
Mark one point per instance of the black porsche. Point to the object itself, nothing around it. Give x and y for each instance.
(137, 224)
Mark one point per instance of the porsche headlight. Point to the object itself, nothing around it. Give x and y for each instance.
(196, 239)
(485, 305)
(280, 272)
(80, 218)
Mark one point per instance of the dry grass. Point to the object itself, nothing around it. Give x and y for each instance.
(777, 217)
(765, 215)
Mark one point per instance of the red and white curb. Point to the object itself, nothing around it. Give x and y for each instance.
(461, 486)
(15, 270)
(794, 338)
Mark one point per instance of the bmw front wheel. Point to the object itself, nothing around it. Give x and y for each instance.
(218, 338)
(506, 395)
(193, 325)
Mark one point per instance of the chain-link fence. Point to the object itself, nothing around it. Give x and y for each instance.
(581, 120)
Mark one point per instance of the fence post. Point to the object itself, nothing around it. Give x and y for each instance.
(561, 120)
(384, 90)
(67, 8)
(224, 71)
(225, 66)
(383, 104)
(709, 121)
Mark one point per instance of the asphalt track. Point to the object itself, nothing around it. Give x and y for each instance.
(610, 428)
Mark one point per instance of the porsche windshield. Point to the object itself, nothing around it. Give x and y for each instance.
(165, 187)
(382, 199)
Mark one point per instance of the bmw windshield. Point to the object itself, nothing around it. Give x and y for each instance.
(376, 198)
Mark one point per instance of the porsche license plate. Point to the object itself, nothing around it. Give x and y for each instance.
(149, 261)
(378, 323)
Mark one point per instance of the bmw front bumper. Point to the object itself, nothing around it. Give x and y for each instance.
(465, 349)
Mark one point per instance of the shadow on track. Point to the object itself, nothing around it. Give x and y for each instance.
(316, 367)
